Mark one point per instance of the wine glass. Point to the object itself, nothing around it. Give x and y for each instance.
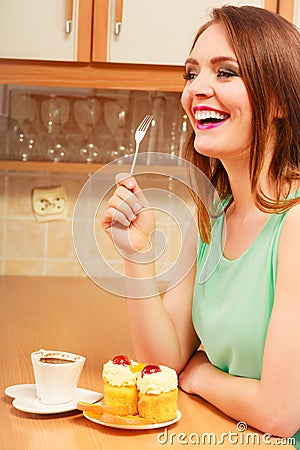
(183, 128)
(124, 137)
(99, 142)
(39, 125)
(13, 133)
(56, 148)
(71, 129)
(55, 143)
(157, 139)
(90, 149)
(172, 141)
(22, 134)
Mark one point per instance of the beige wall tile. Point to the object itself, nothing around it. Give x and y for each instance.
(60, 241)
(19, 198)
(24, 239)
(19, 192)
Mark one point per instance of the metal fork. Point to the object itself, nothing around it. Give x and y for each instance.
(139, 135)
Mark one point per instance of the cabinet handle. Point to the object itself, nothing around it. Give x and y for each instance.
(69, 16)
(119, 14)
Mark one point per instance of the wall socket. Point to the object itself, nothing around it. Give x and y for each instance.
(49, 203)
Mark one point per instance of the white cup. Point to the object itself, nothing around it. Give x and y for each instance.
(56, 374)
(35, 356)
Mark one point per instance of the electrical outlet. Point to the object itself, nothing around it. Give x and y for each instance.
(49, 203)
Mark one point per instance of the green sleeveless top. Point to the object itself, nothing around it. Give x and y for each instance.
(233, 300)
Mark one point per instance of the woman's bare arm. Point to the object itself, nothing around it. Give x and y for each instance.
(161, 330)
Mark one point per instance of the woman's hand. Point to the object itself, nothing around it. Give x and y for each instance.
(190, 377)
(128, 220)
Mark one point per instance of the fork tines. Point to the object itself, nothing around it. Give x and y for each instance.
(145, 123)
(139, 135)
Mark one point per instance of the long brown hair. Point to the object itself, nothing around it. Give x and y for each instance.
(267, 48)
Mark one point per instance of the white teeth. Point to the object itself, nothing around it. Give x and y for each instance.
(202, 115)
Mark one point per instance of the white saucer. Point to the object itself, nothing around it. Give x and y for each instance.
(150, 426)
(25, 399)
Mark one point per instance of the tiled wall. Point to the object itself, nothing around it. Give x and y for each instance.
(31, 248)
(28, 247)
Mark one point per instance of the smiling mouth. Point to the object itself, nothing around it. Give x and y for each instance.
(208, 119)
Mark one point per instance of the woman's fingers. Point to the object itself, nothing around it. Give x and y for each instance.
(122, 220)
(124, 206)
(129, 182)
(115, 216)
(129, 191)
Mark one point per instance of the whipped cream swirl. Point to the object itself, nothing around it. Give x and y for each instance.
(158, 382)
(119, 375)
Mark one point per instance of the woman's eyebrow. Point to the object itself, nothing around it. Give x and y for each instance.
(214, 60)
(191, 61)
(220, 59)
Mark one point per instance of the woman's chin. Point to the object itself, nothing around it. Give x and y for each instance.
(206, 150)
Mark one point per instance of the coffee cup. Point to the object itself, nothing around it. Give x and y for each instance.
(56, 374)
(35, 356)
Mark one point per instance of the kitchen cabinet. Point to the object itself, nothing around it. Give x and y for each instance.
(126, 31)
(80, 60)
(157, 32)
(296, 12)
(58, 30)
(146, 53)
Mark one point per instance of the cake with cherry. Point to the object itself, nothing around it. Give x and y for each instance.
(120, 390)
(157, 393)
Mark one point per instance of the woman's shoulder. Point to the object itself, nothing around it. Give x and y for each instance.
(293, 214)
(290, 236)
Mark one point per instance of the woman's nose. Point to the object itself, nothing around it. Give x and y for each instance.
(200, 87)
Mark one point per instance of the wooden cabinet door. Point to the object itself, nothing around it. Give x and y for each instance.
(296, 12)
(157, 31)
(152, 31)
(36, 29)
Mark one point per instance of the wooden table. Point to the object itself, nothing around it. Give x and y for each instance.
(73, 314)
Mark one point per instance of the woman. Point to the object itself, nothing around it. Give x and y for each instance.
(242, 99)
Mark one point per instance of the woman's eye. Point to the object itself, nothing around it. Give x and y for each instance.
(226, 73)
(188, 75)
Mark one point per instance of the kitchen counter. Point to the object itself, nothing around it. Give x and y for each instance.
(75, 315)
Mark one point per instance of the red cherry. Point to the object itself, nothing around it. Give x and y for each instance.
(151, 368)
(122, 360)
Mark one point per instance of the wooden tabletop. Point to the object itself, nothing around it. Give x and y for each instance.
(74, 314)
